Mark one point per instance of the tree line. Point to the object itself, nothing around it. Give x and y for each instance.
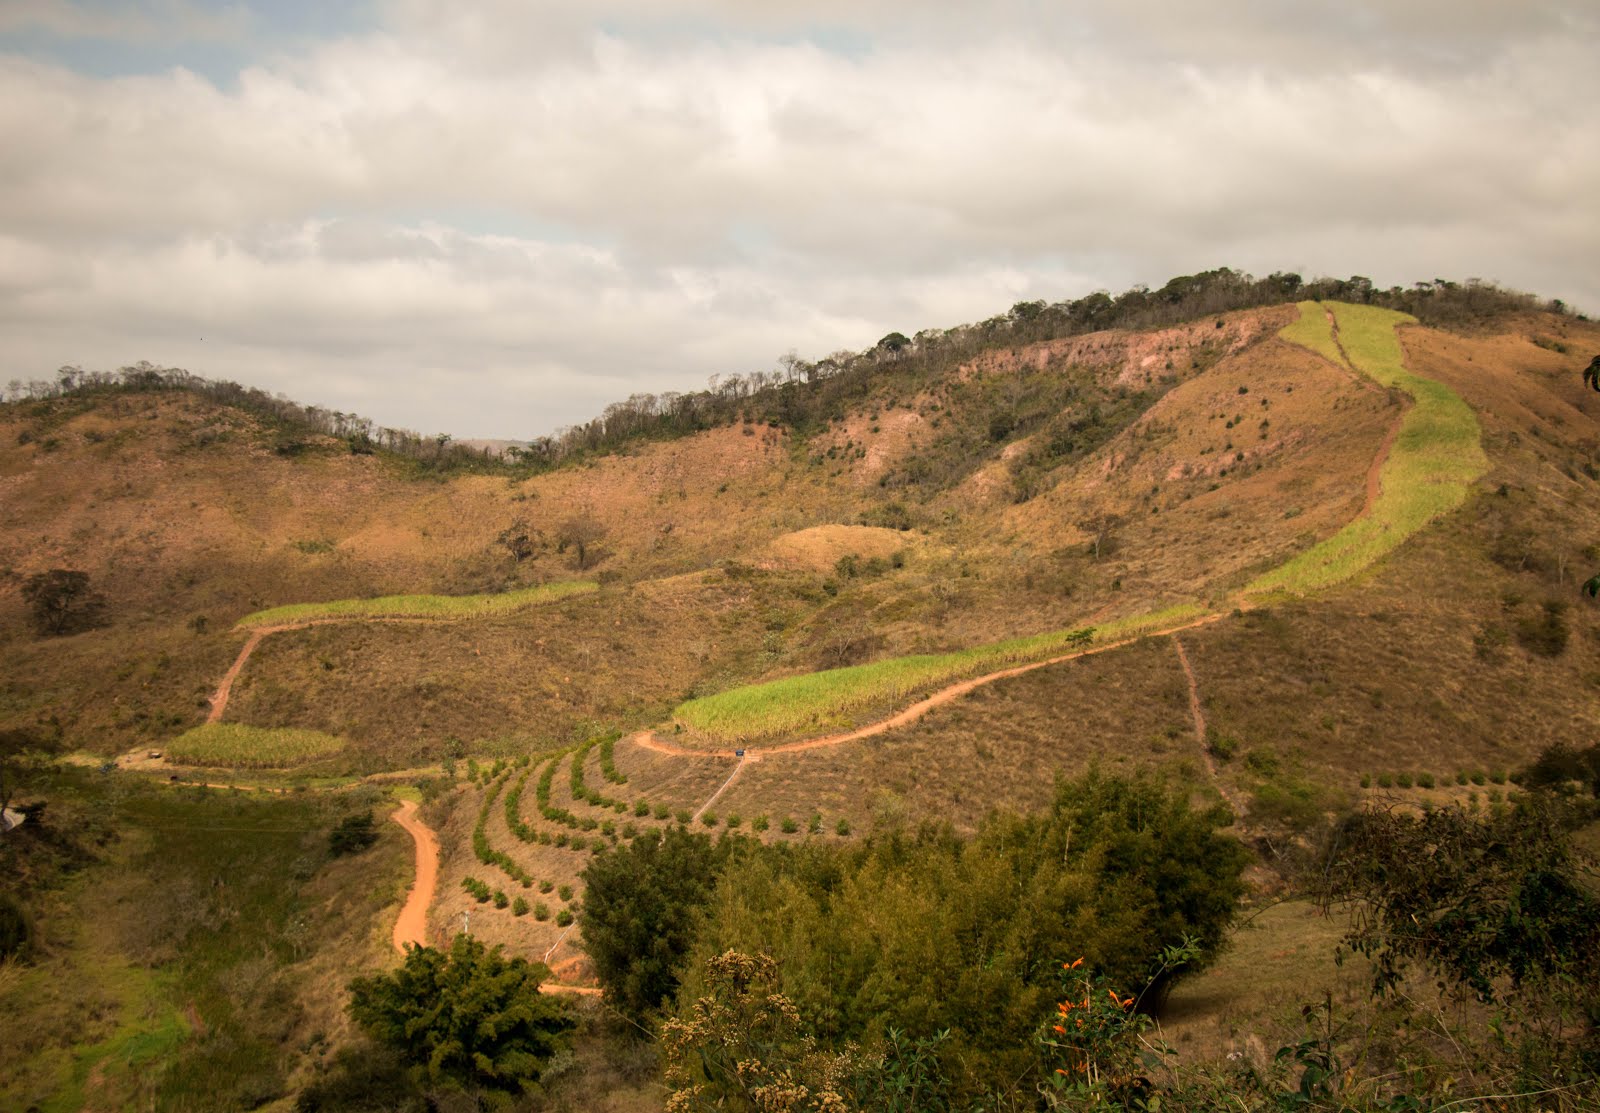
(804, 395)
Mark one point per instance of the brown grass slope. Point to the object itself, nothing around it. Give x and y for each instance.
(718, 552)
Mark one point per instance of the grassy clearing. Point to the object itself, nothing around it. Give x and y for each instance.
(419, 606)
(1434, 460)
(241, 747)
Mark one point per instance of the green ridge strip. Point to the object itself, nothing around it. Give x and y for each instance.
(419, 606)
(242, 747)
(1431, 466)
(1312, 330)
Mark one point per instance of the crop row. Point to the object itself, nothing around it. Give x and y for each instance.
(419, 606)
(240, 746)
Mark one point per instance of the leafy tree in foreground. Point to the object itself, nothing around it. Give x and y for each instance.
(470, 1017)
(642, 902)
(352, 835)
(61, 601)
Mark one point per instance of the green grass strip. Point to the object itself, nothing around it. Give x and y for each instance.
(238, 746)
(1434, 460)
(1312, 330)
(820, 700)
(419, 606)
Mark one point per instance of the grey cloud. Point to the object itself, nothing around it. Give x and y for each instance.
(701, 203)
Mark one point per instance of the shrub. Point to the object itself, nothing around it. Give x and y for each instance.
(708, 818)
(1366, 780)
(788, 825)
(500, 899)
(1425, 780)
(842, 828)
(563, 918)
(1497, 776)
(759, 823)
(1403, 780)
(519, 907)
(1385, 780)
(661, 811)
(424, 1009)
(1461, 776)
(641, 808)
(734, 820)
(546, 886)
(352, 834)
(815, 824)
(565, 892)
(683, 815)
(541, 911)
(1479, 777)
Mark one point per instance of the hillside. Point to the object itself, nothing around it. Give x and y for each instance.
(1079, 491)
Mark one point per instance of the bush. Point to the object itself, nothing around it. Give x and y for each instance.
(759, 823)
(519, 907)
(352, 834)
(546, 886)
(1366, 780)
(815, 825)
(1385, 780)
(500, 899)
(683, 816)
(661, 811)
(788, 826)
(641, 808)
(842, 828)
(60, 601)
(708, 818)
(469, 1016)
(541, 911)
(734, 820)
(642, 903)
(1425, 780)
(1403, 780)
(563, 918)
(565, 892)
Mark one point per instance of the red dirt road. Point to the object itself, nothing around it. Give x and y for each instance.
(412, 926)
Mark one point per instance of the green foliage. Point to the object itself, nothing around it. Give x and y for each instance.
(519, 907)
(352, 834)
(925, 931)
(1563, 769)
(641, 905)
(16, 927)
(471, 1016)
(1480, 901)
(419, 606)
(788, 825)
(237, 746)
(742, 1047)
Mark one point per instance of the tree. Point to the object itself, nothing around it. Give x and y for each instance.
(521, 540)
(581, 533)
(642, 902)
(352, 835)
(471, 1017)
(61, 601)
(1591, 374)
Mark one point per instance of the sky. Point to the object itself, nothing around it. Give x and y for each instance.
(494, 217)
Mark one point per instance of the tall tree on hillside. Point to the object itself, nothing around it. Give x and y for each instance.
(522, 541)
(1591, 374)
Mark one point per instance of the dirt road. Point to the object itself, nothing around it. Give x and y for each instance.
(412, 926)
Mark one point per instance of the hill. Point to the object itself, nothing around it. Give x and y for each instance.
(1149, 507)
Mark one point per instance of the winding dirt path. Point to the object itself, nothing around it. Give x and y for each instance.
(1197, 712)
(723, 787)
(412, 925)
(649, 740)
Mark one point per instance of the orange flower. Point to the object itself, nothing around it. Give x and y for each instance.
(1076, 963)
(1060, 1030)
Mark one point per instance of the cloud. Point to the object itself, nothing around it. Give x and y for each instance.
(556, 207)
(152, 21)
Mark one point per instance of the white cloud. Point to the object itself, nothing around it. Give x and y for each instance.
(502, 194)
